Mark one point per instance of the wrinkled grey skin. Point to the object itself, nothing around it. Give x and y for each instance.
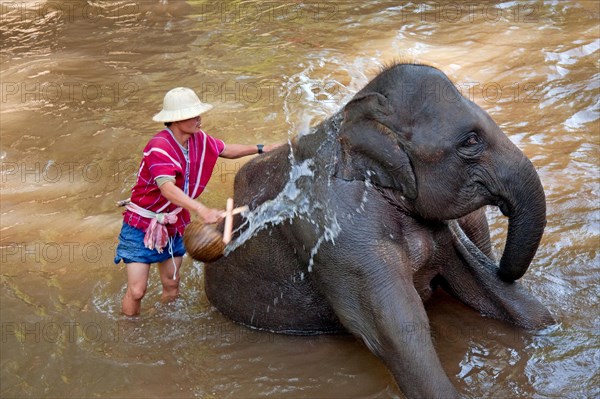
(402, 173)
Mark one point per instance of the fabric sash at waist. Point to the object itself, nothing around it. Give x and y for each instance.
(157, 235)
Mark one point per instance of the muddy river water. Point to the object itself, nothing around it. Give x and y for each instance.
(80, 81)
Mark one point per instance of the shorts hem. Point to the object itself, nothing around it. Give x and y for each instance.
(131, 248)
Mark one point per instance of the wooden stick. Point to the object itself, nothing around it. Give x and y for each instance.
(123, 202)
(237, 210)
(228, 221)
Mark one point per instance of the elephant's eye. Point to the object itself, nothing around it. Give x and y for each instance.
(472, 139)
(471, 146)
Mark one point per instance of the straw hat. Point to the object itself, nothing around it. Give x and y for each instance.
(180, 104)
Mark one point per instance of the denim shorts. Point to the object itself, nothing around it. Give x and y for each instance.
(131, 247)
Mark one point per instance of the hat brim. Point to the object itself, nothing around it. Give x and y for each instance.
(181, 114)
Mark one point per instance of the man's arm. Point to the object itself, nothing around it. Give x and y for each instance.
(233, 151)
(174, 194)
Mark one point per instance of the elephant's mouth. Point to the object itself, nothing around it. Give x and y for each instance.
(496, 199)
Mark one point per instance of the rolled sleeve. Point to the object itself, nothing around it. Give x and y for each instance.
(160, 180)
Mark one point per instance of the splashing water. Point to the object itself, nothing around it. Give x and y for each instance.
(289, 203)
(330, 232)
(293, 201)
(318, 90)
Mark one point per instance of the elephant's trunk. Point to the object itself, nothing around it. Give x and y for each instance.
(524, 203)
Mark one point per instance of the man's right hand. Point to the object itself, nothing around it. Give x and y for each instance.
(209, 215)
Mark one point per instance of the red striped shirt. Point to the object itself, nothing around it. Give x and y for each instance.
(163, 156)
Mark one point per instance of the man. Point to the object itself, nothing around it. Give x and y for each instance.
(177, 164)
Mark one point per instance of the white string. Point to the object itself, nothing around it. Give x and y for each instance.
(171, 240)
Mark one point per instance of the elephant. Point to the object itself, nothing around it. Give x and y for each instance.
(353, 225)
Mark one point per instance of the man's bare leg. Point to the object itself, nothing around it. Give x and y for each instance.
(137, 282)
(170, 285)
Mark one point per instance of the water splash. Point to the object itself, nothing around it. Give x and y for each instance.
(293, 202)
(330, 232)
(318, 90)
(289, 203)
(303, 106)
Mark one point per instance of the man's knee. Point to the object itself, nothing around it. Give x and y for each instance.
(137, 292)
(171, 286)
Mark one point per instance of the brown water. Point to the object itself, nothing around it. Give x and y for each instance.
(80, 83)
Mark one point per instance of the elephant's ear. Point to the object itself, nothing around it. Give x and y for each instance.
(371, 149)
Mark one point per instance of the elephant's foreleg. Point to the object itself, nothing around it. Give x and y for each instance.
(472, 277)
(378, 302)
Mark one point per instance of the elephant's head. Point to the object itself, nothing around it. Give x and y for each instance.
(411, 131)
